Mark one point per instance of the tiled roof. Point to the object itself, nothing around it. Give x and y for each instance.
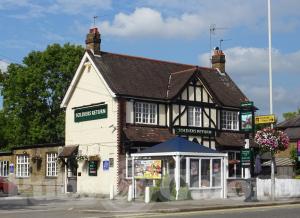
(232, 139)
(293, 133)
(280, 162)
(148, 78)
(147, 134)
(294, 122)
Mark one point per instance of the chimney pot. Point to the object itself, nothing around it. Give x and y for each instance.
(218, 60)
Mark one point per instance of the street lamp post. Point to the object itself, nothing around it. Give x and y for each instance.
(271, 96)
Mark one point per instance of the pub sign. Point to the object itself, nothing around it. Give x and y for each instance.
(90, 113)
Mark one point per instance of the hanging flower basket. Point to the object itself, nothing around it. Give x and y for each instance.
(270, 140)
(94, 158)
(36, 158)
(81, 157)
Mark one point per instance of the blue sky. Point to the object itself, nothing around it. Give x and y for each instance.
(171, 30)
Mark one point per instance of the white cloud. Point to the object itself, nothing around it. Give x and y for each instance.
(249, 69)
(148, 22)
(254, 61)
(80, 7)
(3, 65)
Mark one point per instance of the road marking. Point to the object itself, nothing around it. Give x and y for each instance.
(216, 211)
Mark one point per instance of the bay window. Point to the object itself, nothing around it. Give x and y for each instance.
(145, 113)
(230, 120)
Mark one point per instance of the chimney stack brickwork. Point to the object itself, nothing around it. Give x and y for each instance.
(218, 60)
(93, 40)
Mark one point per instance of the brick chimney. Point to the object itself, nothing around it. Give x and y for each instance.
(93, 40)
(218, 60)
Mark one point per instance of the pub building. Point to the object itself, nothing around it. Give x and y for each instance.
(117, 105)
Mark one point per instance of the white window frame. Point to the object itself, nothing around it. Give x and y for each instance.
(228, 124)
(194, 116)
(145, 113)
(22, 166)
(200, 175)
(4, 168)
(51, 165)
(235, 165)
(128, 159)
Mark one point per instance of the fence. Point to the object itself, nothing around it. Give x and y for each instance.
(284, 188)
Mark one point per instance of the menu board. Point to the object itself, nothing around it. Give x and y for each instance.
(147, 169)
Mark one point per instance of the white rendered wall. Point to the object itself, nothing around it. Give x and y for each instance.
(98, 136)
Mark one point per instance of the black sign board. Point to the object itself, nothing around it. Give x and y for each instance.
(193, 131)
(93, 166)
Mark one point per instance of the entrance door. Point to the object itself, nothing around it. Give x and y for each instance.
(72, 174)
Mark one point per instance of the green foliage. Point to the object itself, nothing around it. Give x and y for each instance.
(32, 94)
(290, 115)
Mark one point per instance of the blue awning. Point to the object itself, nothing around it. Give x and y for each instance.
(178, 144)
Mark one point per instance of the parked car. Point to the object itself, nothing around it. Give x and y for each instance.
(7, 187)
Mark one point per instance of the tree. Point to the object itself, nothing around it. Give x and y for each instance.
(32, 94)
(290, 115)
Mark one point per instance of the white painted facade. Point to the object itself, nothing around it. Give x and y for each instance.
(94, 137)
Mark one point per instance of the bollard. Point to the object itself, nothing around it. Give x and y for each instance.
(129, 193)
(147, 195)
(111, 193)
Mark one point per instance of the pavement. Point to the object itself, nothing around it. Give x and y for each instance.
(121, 206)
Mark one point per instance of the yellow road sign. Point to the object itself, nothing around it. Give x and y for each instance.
(265, 119)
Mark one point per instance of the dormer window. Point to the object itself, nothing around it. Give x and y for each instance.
(230, 120)
(145, 113)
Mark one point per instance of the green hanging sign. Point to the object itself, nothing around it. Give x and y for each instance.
(246, 157)
(90, 113)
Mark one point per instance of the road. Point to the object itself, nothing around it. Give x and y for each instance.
(286, 211)
(90, 209)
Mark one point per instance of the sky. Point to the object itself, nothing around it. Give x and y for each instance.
(172, 30)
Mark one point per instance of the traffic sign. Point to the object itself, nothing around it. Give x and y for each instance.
(265, 119)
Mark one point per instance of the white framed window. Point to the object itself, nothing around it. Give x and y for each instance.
(22, 166)
(145, 113)
(230, 120)
(194, 116)
(4, 168)
(205, 173)
(128, 168)
(234, 166)
(51, 164)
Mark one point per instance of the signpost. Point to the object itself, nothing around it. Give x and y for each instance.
(265, 119)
